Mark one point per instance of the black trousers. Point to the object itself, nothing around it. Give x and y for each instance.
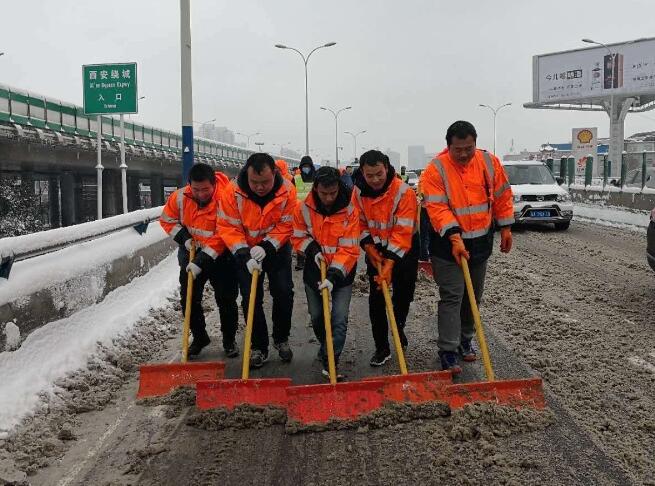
(222, 277)
(403, 282)
(280, 282)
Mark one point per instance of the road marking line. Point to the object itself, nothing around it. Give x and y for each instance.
(642, 363)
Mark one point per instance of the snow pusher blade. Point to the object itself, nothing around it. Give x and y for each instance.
(317, 404)
(160, 379)
(230, 393)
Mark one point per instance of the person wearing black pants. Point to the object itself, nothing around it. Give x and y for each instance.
(221, 274)
(278, 269)
(403, 281)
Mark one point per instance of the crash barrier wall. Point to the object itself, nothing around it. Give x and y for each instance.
(631, 198)
(53, 274)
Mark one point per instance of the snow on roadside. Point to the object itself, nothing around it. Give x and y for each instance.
(65, 345)
(612, 216)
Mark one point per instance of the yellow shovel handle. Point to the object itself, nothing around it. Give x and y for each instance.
(187, 308)
(479, 330)
(245, 366)
(391, 317)
(327, 320)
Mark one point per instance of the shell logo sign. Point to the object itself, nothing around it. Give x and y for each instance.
(585, 136)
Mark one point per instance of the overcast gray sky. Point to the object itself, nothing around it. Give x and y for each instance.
(409, 68)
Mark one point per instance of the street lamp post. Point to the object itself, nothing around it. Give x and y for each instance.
(259, 145)
(354, 136)
(495, 112)
(336, 129)
(248, 135)
(305, 60)
(140, 98)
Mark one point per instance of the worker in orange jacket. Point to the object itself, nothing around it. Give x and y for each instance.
(256, 221)
(387, 216)
(189, 216)
(466, 194)
(326, 229)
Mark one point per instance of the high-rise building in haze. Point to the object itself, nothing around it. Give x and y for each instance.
(416, 156)
(220, 134)
(394, 158)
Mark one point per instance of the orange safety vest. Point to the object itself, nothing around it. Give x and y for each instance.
(468, 198)
(284, 169)
(336, 234)
(182, 211)
(390, 219)
(243, 223)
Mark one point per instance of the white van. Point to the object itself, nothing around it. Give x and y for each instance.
(538, 198)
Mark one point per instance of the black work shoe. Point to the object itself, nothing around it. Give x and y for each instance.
(467, 351)
(197, 345)
(284, 350)
(450, 361)
(403, 338)
(258, 358)
(380, 357)
(231, 349)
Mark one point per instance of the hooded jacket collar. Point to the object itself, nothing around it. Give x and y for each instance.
(342, 201)
(242, 182)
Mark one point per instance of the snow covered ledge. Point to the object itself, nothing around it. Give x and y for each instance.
(628, 197)
(57, 284)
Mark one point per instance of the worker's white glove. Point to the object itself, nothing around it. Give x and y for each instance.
(318, 258)
(194, 269)
(258, 253)
(253, 265)
(188, 243)
(326, 284)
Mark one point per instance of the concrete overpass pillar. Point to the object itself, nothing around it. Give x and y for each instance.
(112, 198)
(54, 210)
(68, 216)
(156, 190)
(133, 193)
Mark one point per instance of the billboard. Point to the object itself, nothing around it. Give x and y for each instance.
(594, 73)
(585, 143)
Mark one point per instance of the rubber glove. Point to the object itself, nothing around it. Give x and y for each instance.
(373, 254)
(385, 273)
(326, 284)
(253, 265)
(188, 243)
(459, 250)
(318, 258)
(194, 269)
(505, 239)
(258, 253)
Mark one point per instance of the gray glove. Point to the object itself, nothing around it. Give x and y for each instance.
(253, 265)
(194, 269)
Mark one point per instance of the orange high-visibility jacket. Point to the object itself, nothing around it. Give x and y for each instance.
(243, 223)
(284, 169)
(467, 199)
(389, 219)
(183, 218)
(336, 234)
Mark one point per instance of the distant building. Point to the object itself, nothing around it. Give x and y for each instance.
(219, 134)
(416, 156)
(394, 158)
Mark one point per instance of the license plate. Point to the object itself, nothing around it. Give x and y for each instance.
(540, 214)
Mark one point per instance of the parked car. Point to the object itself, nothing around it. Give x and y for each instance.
(650, 237)
(538, 198)
(412, 179)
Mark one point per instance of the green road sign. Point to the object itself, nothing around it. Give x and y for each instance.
(110, 88)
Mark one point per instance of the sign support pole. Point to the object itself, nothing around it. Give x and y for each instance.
(186, 88)
(123, 165)
(99, 167)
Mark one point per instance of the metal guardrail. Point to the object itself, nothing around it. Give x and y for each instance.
(9, 256)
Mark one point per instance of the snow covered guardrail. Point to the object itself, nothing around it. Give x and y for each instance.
(23, 247)
(627, 197)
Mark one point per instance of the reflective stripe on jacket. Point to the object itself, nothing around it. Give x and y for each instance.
(182, 213)
(389, 219)
(336, 234)
(243, 223)
(467, 199)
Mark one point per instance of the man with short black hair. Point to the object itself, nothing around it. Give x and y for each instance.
(326, 229)
(387, 221)
(189, 216)
(255, 220)
(466, 194)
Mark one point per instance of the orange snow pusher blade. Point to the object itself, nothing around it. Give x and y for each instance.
(230, 393)
(515, 393)
(319, 404)
(160, 379)
(415, 387)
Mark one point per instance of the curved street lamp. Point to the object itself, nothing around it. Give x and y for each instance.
(495, 112)
(336, 129)
(305, 60)
(354, 136)
(248, 135)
